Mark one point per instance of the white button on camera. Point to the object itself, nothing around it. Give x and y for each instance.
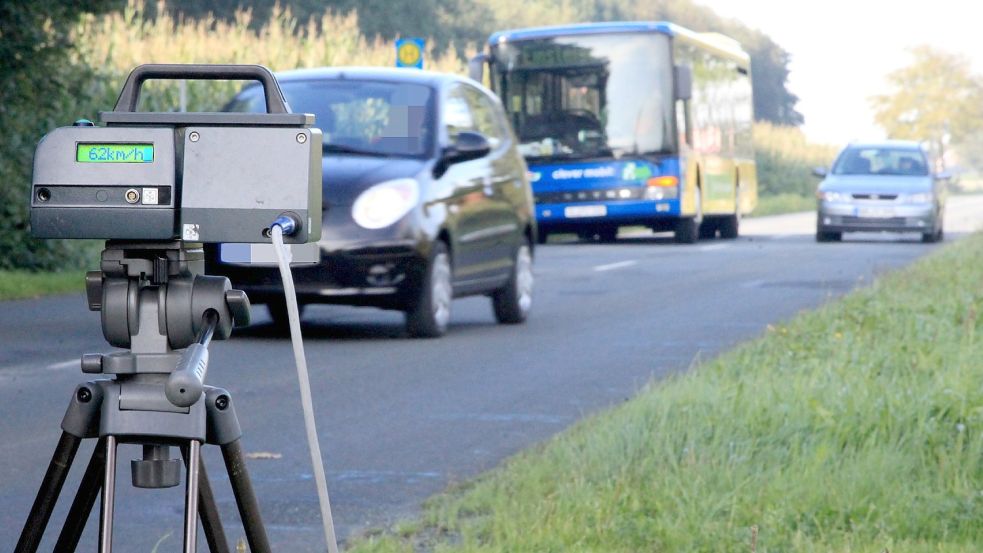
(150, 196)
(191, 231)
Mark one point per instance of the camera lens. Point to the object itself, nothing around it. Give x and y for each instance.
(44, 194)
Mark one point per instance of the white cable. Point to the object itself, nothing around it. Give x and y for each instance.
(293, 314)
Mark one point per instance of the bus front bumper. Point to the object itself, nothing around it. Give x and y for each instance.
(628, 212)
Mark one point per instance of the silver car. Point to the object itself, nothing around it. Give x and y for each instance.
(885, 186)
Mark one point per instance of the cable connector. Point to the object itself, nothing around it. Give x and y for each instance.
(288, 223)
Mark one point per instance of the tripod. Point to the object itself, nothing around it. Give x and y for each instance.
(155, 301)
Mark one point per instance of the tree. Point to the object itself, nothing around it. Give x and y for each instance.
(936, 98)
(39, 90)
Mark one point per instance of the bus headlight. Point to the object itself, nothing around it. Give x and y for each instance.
(385, 203)
(657, 193)
(665, 187)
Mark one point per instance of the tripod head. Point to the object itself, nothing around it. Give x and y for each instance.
(154, 299)
(133, 277)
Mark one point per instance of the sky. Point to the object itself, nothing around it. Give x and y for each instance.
(842, 50)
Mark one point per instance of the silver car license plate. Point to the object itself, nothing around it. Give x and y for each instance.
(875, 212)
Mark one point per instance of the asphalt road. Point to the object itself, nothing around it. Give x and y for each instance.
(400, 419)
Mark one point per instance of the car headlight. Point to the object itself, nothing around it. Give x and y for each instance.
(830, 196)
(385, 203)
(920, 198)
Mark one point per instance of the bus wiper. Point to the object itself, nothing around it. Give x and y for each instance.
(342, 149)
(573, 155)
(654, 152)
(634, 152)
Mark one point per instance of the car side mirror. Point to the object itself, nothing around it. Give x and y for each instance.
(467, 146)
(820, 172)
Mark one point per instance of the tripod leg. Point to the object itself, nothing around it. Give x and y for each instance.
(211, 522)
(191, 498)
(252, 521)
(44, 503)
(108, 498)
(85, 498)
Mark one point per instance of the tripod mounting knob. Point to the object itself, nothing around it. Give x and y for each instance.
(238, 303)
(187, 300)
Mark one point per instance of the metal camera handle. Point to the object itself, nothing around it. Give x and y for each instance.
(130, 95)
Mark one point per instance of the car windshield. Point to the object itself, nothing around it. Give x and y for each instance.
(360, 117)
(881, 161)
(588, 96)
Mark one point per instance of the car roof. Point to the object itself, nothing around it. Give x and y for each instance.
(391, 74)
(897, 144)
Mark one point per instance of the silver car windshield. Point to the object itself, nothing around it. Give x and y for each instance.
(881, 161)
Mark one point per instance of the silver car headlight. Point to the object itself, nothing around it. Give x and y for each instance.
(385, 203)
(830, 196)
(920, 198)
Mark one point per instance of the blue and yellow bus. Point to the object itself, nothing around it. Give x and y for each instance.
(635, 123)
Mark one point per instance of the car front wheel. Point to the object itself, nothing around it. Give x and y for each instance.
(932, 237)
(513, 301)
(431, 312)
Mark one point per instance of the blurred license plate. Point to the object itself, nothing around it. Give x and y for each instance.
(585, 211)
(264, 254)
(875, 212)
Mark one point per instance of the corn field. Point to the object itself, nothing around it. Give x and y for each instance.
(117, 42)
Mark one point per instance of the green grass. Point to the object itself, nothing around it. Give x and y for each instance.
(783, 203)
(854, 428)
(22, 284)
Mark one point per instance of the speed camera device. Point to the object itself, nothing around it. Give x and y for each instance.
(156, 186)
(197, 177)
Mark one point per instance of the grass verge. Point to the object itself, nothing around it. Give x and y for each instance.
(783, 203)
(857, 427)
(22, 284)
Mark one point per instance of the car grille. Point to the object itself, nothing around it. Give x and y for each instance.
(885, 197)
(874, 221)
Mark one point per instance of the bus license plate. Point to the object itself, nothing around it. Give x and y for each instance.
(585, 211)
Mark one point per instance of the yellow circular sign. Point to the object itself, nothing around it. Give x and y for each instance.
(409, 53)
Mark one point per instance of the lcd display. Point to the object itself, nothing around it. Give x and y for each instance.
(115, 153)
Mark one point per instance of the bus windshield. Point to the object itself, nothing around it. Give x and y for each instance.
(588, 96)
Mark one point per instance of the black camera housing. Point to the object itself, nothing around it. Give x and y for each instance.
(196, 177)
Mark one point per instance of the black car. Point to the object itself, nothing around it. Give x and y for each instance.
(426, 198)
